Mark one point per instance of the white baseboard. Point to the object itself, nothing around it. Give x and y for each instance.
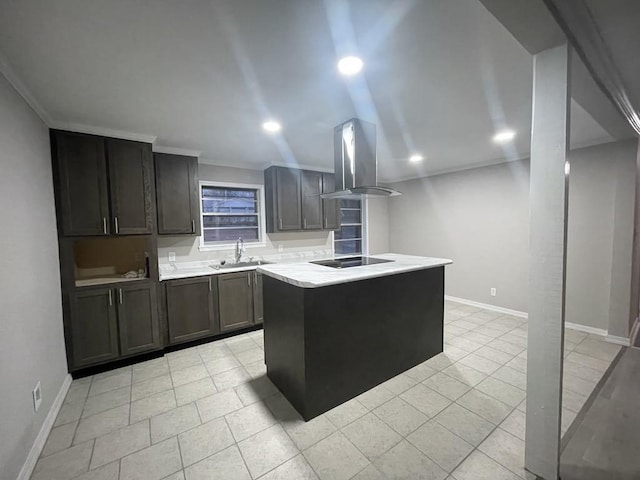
(486, 306)
(625, 342)
(38, 444)
(516, 313)
(633, 337)
(586, 329)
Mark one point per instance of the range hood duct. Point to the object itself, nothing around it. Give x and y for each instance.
(356, 165)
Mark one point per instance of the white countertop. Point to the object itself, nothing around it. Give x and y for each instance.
(89, 282)
(199, 271)
(309, 275)
(204, 268)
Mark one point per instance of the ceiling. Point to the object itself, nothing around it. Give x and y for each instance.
(440, 77)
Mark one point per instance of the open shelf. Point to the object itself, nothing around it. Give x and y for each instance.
(99, 261)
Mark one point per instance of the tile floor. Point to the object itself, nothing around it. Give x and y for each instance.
(605, 444)
(209, 412)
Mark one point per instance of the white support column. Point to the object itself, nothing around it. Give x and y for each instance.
(547, 263)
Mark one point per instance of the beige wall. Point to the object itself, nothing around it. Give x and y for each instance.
(377, 225)
(187, 248)
(480, 219)
(31, 335)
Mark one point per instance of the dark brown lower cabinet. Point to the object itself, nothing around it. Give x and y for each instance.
(138, 318)
(94, 326)
(258, 312)
(191, 308)
(112, 322)
(235, 296)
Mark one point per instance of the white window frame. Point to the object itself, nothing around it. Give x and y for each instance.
(262, 232)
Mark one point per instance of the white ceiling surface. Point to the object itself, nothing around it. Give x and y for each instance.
(440, 77)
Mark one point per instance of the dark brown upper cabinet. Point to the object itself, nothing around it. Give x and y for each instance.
(283, 201)
(138, 318)
(191, 308)
(103, 185)
(81, 184)
(130, 177)
(294, 202)
(235, 295)
(311, 188)
(177, 195)
(330, 208)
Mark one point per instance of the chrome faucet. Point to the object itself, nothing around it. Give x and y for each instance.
(239, 249)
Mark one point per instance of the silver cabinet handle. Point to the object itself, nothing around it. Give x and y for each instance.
(115, 221)
(209, 283)
(280, 221)
(120, 294)
(110, 298)
(193, 226)
(255, 278)
(304, 222)
(248, 279)
(104, 225)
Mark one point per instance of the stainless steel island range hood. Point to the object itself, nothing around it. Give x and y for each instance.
(356, 164)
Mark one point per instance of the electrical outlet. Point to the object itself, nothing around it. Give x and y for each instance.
(280, 248)
(37, 397)
(493, 292)
(172, 256)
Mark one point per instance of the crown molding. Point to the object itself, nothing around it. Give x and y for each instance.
(301, 166)
(9, 73)
(444, 171)
(229, 164)
(176, 151)
(104, 132)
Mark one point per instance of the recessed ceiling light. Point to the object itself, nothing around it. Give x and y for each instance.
(350, 65)
(271, 126)
(504, 136)
(416, 158)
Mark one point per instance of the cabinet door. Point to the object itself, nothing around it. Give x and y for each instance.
(94, 331)
(311, 186)
(235, 297)
(81, 184)
(258, 311)
(190, 309)
(138, 318)
(331, 208)
(288, 199)
(177, 194)
(130, 170)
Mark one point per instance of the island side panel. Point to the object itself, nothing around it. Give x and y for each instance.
(284, 338)
(360, 334)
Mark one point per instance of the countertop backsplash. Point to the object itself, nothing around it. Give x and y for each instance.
(295, 246)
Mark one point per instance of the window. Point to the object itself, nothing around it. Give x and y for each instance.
(230, 211)
(348, 239)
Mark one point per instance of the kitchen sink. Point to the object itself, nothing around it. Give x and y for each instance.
(227, 266)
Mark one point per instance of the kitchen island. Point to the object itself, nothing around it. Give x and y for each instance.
(331, 334)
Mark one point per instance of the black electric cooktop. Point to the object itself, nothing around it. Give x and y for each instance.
(346, 262)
